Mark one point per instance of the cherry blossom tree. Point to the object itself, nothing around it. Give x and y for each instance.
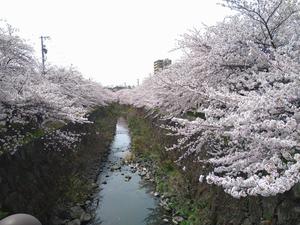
(30, 101)
(233, 100)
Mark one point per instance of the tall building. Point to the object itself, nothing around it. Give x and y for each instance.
(158, 65)
(161, 64)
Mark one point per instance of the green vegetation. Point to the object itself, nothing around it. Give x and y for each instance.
(148, 143)
(199, 204)
(64, 178)
(3, 214)
(76, 187)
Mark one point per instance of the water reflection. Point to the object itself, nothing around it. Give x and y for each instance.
(121, 201)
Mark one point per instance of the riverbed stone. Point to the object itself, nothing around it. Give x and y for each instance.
(165, 220)
(265, 222)
(142, 174)
(88, 202)
(74, 222)
(133, 170)
(127, 178)
(167, 208)
(76, 212)
(177, 219)
(164, 204)
(85, 217)
(94, 185)
(156, 194)
(115, 167)
(147, 177)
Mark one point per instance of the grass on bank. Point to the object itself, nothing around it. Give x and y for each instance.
(148, 143)
(3, 214)
(101, 134)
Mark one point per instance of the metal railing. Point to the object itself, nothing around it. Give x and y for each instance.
(20, 219)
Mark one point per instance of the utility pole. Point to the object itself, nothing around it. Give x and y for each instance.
(44, 52)
(138, 82)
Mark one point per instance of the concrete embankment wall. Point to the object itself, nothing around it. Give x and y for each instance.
(43, 183)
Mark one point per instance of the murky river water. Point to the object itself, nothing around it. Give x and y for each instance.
(124, 198)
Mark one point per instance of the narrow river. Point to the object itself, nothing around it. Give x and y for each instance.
(124, 198)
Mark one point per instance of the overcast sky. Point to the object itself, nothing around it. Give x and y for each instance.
(110, 41)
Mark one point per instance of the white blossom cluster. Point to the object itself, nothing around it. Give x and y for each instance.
(233, 100)
(61, 140)
(30, 100)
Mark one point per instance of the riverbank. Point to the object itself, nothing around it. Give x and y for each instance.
(123, 198)
(49, 184)
(171, 184)
(88, 160)
(59, 187)
(193, 203)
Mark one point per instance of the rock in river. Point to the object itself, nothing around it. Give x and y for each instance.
(142, 174)
(127, 178)
(165, 220)
(156, 194)
(115, 167)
